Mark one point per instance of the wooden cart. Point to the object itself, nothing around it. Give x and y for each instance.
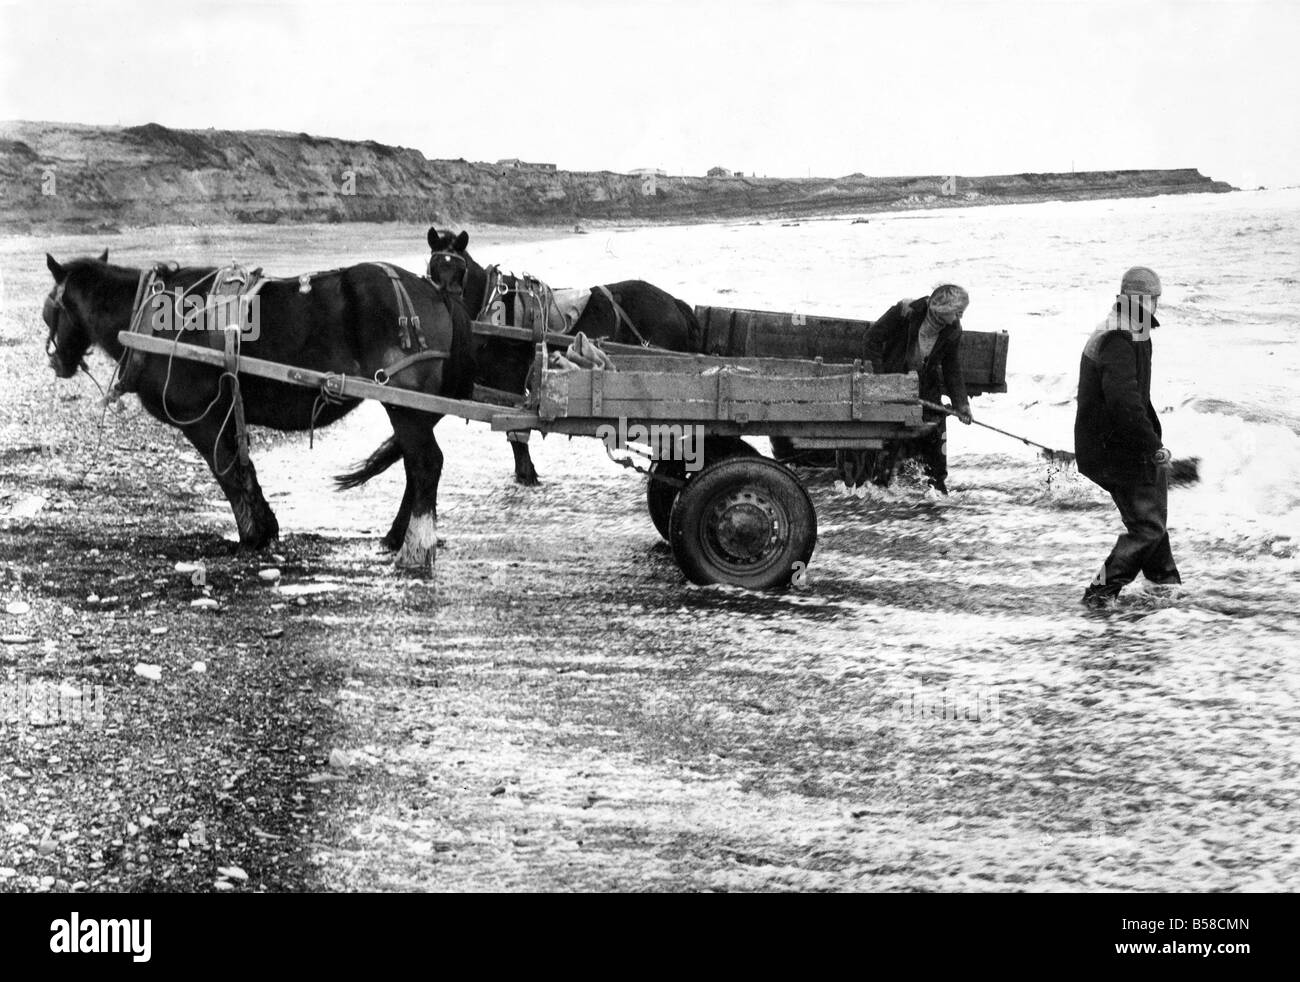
(738, 518)
(731, 515)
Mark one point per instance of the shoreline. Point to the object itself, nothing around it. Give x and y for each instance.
(528, 232)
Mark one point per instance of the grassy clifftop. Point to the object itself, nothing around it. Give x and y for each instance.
(76, 176)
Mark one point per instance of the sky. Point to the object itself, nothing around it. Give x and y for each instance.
(794, 88)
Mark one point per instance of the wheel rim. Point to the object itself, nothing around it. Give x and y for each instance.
(744, 530)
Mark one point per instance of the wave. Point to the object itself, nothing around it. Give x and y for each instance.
(1260, 229)
(1267, 415)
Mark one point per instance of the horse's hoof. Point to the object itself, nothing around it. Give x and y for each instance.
(391, 543)
(527, 480)
(420, 546)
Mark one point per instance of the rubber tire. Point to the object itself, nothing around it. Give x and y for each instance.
(660, 495)
(695, 545)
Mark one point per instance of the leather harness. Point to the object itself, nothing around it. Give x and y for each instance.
(506, 300)
(620, 317)
(234, 285)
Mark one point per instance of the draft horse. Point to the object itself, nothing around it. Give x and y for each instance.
(360, 320)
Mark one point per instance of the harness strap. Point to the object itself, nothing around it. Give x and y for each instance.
(408, 321)
(492, 296)
(620, 317)
(543, 296)
(388, 371)
(232, 333)
(230, 286)
(131, 364)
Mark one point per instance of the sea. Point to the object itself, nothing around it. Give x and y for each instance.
(1153, 744)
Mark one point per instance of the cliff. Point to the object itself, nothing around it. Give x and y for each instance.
(62, 175)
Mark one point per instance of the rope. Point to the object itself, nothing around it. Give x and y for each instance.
(331, 394)
(234, 389)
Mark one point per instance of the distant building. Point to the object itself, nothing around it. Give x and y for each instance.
(517, 164)
(718, 172)
(648, 172)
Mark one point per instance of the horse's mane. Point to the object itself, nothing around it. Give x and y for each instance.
(105, 284)
(124, 273)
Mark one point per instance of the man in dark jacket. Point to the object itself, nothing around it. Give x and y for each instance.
(1117, 438)
(923, 336)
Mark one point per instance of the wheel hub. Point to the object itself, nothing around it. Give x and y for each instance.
(745, 526)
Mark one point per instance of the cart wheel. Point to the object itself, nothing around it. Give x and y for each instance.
(660, 495)
(745, 522)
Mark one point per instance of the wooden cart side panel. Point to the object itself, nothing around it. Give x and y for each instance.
(984, 360)
(773, 334)
(727, 396)
(743, 410)
(655, 387)
(572, 393)
(657, 361)
(839, 431)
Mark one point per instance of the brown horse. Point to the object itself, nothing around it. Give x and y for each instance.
(344, 321)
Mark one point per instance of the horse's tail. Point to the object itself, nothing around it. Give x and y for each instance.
(693, 329)
(385, 456)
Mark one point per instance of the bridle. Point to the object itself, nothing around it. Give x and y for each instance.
(440, 262)
(149, 285)
(50, 314)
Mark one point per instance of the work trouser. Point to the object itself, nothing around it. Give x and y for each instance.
(1144, 546)
(933, 451)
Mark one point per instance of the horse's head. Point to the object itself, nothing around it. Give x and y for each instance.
(448, 261)
(501, 364)
(67, 314)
